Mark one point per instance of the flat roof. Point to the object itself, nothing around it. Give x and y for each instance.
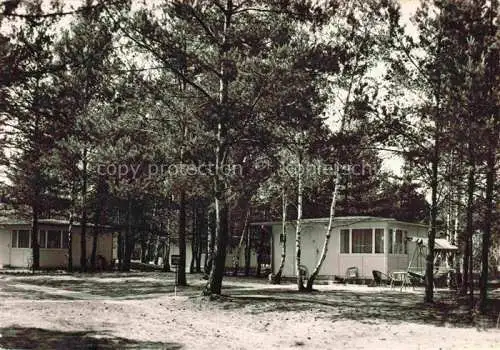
(54, 222)
(345, 219)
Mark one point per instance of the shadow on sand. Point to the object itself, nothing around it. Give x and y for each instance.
(36, 338)
(366, 307)
(129, 288)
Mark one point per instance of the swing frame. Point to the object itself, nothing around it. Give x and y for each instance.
(419, 255)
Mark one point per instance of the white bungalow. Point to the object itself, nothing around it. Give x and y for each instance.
(364, 242)
(15, 243)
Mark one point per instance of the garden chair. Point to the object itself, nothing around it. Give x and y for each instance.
(380, 278)
(352, 274)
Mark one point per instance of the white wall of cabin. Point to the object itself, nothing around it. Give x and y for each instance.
(336, 264)
(51, 257)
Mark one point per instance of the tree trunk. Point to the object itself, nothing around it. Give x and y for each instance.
(277, 278)
(120, 253)
(467, 279)
(429, 266)
(157, 249)
(298, 273)
(465, 265)
(333, 204)
(166, 251)
(470, 225)
(127, 256)
(471, 272)
(181, 268)
(166, 256)
(95, 238)
(200, 227)
(70, 241)
(34, 239)
(214, 284)
(144, 248)
(83, 232)
(489, 219)
(240, 244)
(248, 253)
(493, 133)
(101, 193)
(35, 248)
(259, 264)
(151, 253)
(449, 214)
(456, 234)
(329, 229)
(210, 242)
(194, 241)
(437, 94)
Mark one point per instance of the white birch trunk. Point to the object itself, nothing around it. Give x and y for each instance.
(277, 278)
(300, 282)
(236, 257)
(328, 233)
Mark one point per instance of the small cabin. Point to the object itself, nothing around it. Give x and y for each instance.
(16, 249)
(363, 242)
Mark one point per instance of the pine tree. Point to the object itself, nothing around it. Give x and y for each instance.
(31, 117)
(84, 50)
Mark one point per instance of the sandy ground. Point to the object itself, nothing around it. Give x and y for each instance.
(141, 312)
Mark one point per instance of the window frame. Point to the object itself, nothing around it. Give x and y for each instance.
(44, 234)
(18, 240)
(395, 247)
(382, 240)
(341, 245)
(59, 239)
(398, 242)
(14, 238)
(365, 242)
(405, 242)
(371, 241)
(391, 240)
(14, 243)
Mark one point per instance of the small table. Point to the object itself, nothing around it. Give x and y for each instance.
(401, 276)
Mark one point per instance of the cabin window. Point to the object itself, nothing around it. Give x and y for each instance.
(362, 240)
(398, 242)
(53, 239)
(379, 240)
(42, 239)
(391, 240)
(14, 239)
(344, 241)
(405, 242)
(23, 239)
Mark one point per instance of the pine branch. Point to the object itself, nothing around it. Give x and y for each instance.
(159, 56)
(9, 11)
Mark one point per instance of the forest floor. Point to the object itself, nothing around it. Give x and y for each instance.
(140, 311)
